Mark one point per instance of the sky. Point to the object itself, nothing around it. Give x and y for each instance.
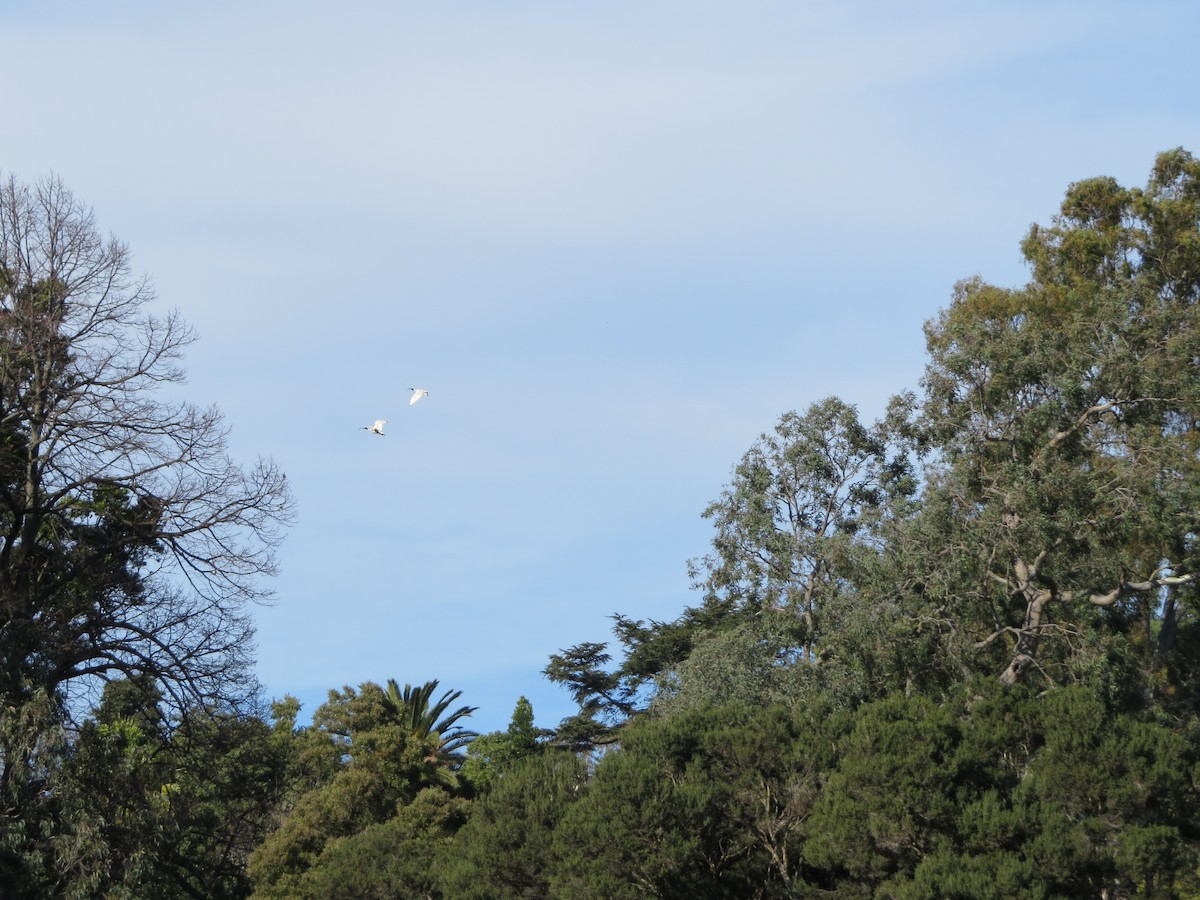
(615, 242)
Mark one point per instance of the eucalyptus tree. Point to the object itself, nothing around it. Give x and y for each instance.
(802, 501)
(793, 528)
(1066, 413)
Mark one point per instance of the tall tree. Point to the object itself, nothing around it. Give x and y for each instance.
(130, 542)
(804, 505)
(1066, 413)
(787, 524)
(109, 491)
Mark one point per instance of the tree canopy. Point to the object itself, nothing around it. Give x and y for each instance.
(951, 653)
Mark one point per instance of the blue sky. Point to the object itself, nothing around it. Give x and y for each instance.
(614, 241)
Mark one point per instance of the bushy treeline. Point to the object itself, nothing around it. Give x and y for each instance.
(990, 792)
(953, 653)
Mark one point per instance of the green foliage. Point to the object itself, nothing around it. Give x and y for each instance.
(34, 742)
(139, 807)
(382, 767)
(749, 664)
(892, 789)
(413, 710)
(991, 594)
(649, 824)
(606, 698)
(798, 500)
(491, 754)
(505, 849)
(231, 773)
(1066, 416)
(794, 528)
(1047, 795)
(700, 804)
(393, 858)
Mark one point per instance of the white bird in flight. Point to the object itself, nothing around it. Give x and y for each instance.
(418, 393)
(376, 427)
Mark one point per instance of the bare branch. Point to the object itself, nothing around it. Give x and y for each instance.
(130, 541)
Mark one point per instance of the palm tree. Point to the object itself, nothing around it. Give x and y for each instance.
(411, 708)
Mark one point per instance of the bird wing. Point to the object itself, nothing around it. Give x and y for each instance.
(418, 393)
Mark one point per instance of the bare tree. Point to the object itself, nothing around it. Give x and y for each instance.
(130, 542)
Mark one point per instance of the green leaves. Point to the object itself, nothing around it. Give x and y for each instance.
(380, 768)
(505, 849)
(1065, 413)
(1029, 521)
(414, 711)
(798, 499)
(491, 755)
